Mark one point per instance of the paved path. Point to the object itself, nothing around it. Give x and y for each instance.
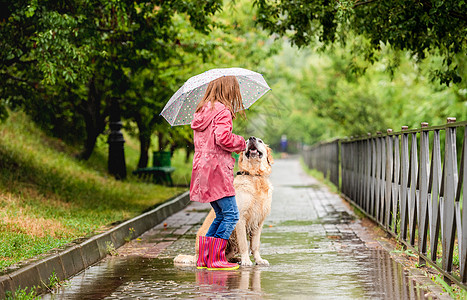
(316, 246)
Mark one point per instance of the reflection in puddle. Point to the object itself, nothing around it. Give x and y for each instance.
(135, 277)
(238, 282)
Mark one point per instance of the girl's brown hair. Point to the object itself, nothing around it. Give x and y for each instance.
(225, 90)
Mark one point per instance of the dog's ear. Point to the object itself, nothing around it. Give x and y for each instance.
(270, 158)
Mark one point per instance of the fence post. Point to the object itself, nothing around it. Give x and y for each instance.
(337, 162)
(423, 193)
(379, 185)
(374, 179)
(361, 173)
(449, 192)
(404, 182)
(413, 173)
(389, 175)
(434, 189)
(396, 183)
(462, 230)
(368, 173)
(383, 180)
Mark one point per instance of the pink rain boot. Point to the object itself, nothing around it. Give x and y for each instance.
(203, 251)
(216, 257)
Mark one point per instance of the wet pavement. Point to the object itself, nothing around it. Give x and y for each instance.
(316, 247)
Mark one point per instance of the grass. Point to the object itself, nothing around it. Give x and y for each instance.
(54, 282)
(48, 198)
(454, 291)
(319, 176)
(32, 292)
(22, 294)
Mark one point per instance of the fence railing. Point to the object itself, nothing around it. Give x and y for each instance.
(410, 182)
(324, 157)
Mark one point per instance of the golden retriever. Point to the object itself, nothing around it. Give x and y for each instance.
(253, 195)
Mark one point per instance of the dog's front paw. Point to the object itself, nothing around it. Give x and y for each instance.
(262, 262)
(246, 262)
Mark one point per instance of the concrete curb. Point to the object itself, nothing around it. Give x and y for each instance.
(78, 257)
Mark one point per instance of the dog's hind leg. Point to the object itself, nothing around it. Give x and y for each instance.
(254, 244)
(240, 230)
(230, 251)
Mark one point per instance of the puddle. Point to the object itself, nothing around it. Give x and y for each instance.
(307, 259)
(293, 274)
(309, 239)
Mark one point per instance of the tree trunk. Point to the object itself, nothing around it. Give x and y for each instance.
(173, 147)
(162, 141)
(93, 118)
(144, 136)
(144, 151)
(90, 143)
(146, 129)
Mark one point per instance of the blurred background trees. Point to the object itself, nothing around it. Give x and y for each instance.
(422, 27)
(324, 97)
(364, 66)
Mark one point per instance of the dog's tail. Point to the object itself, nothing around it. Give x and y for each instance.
(185, 259)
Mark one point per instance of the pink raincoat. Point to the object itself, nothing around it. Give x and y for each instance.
(212, 176)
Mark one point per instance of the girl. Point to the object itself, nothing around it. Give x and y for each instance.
(212, 176)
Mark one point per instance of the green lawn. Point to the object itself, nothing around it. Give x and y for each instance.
(48, 198)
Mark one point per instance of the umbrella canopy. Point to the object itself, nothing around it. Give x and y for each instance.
(182, 105)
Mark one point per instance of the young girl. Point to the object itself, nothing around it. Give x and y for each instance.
(212, 176)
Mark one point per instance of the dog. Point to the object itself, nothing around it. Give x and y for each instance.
(254, 196)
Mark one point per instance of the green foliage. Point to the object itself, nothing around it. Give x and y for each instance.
(320, 96)
(321, 178)
(68, 60)
(454, 291)
(65, 62)
(131, 235)
(48, 198)
(421, 27)
(110, 248)
(54, 281)
(22, 294)
(407, 252)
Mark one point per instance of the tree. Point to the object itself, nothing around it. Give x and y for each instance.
(420, 26)
(89, 50)
(322, 98)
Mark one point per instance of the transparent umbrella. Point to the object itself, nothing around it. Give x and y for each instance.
(181, 106)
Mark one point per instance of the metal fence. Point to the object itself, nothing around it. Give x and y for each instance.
(410, 183)
(324, 157)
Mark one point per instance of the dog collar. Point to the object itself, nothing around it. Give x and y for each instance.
(246, 173)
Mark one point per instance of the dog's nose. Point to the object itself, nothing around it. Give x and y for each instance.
(252, 138)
